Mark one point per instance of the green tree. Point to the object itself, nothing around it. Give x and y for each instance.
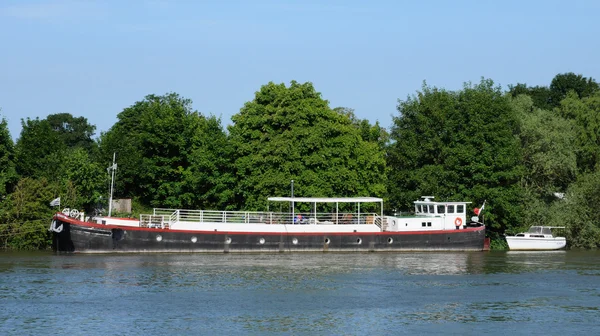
(156, 140)
(291, 133)
(549, 97)
(585, 112)
(579, 212)
(372, 133)
(549, 157)
(549, 147)
(8, 174)
(39, 150)
(44, 143)
(455, 146)
(87, 177)
(208, 181)
(75, 132)
(562, 84)
(540, 95)
(26, 214)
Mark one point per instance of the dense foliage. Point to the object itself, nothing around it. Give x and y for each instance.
(8, 174)
(560, 140)
(456, 146)
(168, 155)
(549, 97)
(533, 153)
(290, 133)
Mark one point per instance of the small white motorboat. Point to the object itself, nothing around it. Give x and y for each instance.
(537, 238)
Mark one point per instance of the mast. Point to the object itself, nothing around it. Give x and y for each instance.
(112, 182)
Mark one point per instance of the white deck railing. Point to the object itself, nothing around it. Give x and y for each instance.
(167, 217)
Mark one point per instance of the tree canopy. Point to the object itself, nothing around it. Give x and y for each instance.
(549, 97)
(159, 142)
(585, 113)
(549, 148)
(39, 150)
(291, 133)
(455, 146)
(8, 174)
(75, 132)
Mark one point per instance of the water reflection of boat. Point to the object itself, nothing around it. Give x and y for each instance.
(537, 238)
(329, 225)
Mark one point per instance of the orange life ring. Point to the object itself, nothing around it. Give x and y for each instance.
(458, 221)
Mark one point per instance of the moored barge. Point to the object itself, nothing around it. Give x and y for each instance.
(309, 225)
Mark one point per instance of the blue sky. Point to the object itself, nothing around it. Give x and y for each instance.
(94, 58)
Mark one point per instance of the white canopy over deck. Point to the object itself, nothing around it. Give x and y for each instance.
(336, 200)
(327, 199)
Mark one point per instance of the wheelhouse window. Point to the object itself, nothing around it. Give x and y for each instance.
(431, 208)
(441, 209)
(450, 208)
(460, 208)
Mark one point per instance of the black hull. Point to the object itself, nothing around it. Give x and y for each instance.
(94, 238)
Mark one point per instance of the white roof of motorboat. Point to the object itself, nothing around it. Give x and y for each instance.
(327, 199)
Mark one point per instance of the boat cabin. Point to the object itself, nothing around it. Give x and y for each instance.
(539, 232)
(431, 215)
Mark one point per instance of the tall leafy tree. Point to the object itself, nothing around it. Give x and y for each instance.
(25, 214)
(52, 157)
(291, 133)
(549, 148)
(75, 132)
(579, 212)
(44, 143)
(88, 178)
(154, 141)
(540, 95)
(585, 112)
(209, 180)
(458, 145)
(8, 175)
(562, 84)
(372, 133)
(39, 151)
(549, 97)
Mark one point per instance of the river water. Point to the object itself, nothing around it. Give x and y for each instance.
(497, 293)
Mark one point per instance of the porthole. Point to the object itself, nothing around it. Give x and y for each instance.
(358, 241)
(158, 238)
(295, 241)
(194, 239)
(261, 241)
(390, 240)
(228, 240)
(327, 241)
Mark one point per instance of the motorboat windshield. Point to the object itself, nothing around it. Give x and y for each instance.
(545, 230)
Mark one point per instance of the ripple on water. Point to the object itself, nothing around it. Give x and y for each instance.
(299, 294)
